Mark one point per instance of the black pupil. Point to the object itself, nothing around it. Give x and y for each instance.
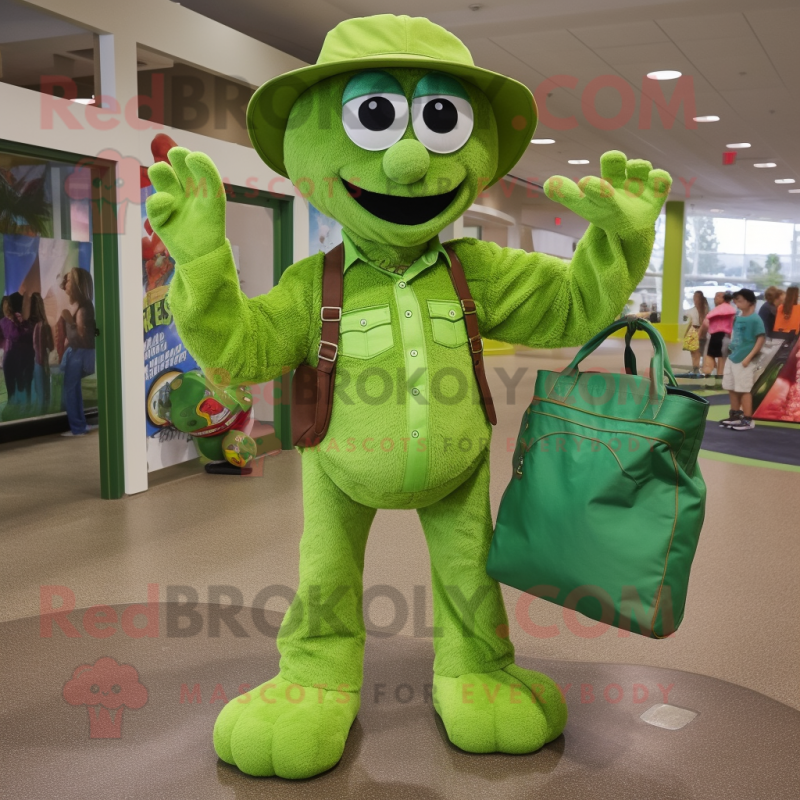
(376, 113)
(440, 115)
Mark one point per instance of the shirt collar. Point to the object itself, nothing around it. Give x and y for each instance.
(352, 253)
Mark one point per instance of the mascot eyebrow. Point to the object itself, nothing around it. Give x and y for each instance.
(371, 82)
(437, 83)
(380, 82)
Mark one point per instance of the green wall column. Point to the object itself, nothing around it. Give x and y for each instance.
(671, 315)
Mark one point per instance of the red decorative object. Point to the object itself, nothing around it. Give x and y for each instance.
(729, 158)
(558, 220)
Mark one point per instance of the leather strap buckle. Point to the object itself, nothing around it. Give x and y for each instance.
(472, 344)
(337, 309)
(468, 306)
(331, 357)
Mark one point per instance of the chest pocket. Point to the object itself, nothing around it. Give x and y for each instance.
(447, 322)
(366, 332)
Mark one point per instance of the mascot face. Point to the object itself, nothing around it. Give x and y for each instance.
(395, 155)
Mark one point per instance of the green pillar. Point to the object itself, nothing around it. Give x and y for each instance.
(671, 300)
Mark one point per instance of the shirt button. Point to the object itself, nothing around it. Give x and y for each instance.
(414, 434)
(452, 313)
(363, 322)
(408, 313)
(402, 284)
(415, 391)
(413, 352)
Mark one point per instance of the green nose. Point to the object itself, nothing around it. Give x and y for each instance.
(407, 161)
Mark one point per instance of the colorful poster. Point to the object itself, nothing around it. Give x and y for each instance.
(781, 386)
(165, 355)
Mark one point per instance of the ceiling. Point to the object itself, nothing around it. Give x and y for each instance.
(743, 59)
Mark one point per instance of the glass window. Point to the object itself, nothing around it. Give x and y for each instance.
(47, 280)
(46, 54)
(726, 254)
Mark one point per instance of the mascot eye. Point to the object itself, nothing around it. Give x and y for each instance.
(443, 123)
(375, 121)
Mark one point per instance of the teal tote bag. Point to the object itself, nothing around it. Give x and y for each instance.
(606, 500)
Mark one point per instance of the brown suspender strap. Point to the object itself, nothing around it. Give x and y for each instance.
(312, 388)
(328, 351)
(475, 342)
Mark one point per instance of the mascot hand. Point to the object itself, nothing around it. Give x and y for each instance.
(188, 209)
(627, 197)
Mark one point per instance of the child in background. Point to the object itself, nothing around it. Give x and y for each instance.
(719, 324)
(740, 372)
(42, 346)
(773, 297)
(16, 335)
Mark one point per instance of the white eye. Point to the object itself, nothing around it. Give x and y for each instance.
(376, 121)
(443, 123)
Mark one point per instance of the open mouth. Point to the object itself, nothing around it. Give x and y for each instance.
(401, 210)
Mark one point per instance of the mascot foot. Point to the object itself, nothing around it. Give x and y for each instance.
(282, 728)
(511, 710)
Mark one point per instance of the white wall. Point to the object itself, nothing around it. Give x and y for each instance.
(179, 32)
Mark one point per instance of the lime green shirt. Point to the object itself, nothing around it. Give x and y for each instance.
(407, 424)
(414, 349)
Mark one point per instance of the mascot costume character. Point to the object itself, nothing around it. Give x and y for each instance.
(394, 133)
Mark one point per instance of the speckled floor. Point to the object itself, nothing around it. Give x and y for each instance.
(740, 744)
(196, 530)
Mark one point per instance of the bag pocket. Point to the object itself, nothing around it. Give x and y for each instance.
(447, 322)
(366, 332)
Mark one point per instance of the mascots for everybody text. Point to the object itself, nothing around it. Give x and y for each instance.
(394, 133)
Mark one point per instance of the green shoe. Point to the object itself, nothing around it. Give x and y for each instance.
(512, 710)
(284, 729)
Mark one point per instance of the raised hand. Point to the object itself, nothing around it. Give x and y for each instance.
(188, 209)
(627, 197)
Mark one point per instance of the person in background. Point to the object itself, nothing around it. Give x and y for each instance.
(740, 371)
(16, 334)
(719, 325)
(79, 357)
(42, 347)
(696, 316)
(787, 315)
(772, 298)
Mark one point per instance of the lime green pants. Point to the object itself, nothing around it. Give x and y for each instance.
(322, 637)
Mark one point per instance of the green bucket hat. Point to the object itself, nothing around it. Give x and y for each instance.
(385, 40)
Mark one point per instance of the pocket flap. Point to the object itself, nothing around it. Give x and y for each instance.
(445, 309)
(364, 319)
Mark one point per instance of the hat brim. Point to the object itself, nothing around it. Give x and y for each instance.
(512, 102)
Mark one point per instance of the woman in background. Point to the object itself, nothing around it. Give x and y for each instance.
(42, 347)
(696, 317)
(787, 316)
(79, 356)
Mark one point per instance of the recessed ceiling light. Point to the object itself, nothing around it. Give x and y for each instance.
(85, 101)
(543, 141)
(785, 180)
(738, 145)
(578, 161)
(716, 209)
(767, 165)
(664, 75)
(794, 191)
(709, 118)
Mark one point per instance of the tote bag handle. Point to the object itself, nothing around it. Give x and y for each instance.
(659, 364)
